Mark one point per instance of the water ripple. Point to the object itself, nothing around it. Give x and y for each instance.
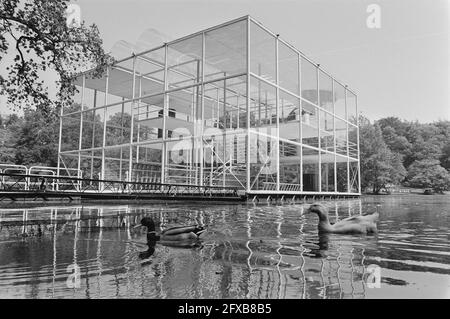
(249, 251)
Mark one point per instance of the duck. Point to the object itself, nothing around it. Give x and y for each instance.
(365, 224)
(149, 252)
(181, 236)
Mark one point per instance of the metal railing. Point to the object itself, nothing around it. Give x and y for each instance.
(23, 182)
(24, 178)
(288, 187)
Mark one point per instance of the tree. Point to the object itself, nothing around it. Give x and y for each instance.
(37, 139)
(41, 39)
(429, 174)
(396, 143)
(445, 158)
(8, 137)
(379, 166)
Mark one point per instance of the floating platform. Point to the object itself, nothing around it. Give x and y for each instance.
(31, 189)
(63, 197)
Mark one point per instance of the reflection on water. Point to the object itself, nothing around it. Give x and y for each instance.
(248, 252)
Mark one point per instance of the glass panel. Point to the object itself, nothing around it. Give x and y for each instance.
(326, 131)
(148, 118)
(290, 159)
(94, 91)
(339, 100)
(341, 137)
(288, 61)
(289, 117)
(309, 81)
(93, 98)
(225, 103)
(184, 62)
(341, 169)
(150, 73)
(92, 135)
(263, 160)
(180, 165)
(71, 162)
(70, 134)
(310, 169)
(120, 84)
(91, 165)
(118, 124)
(226, 50)
(262, 53)
(224, 144)
(147, 161)
(224, 159)
(327, 161)
(263, 109)
(310, 124)
(326, 91)
(117, 163)
(184, 109)
(353, 141)
(354, 177)
(351, 107)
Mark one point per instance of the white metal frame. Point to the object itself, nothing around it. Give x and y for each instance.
(199, 144)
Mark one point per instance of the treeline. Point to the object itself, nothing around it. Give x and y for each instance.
(399, 152)
(31, 139)
(393, 151)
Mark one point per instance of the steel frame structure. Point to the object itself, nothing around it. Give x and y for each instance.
(237, 113)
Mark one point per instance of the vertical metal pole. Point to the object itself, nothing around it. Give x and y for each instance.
(300, 111)
(230, 136)
(335, 144)
(93, 132)
(238, 107)
(348, 149)
(104, 127)
(259, 100)
(218, 127)
(319, 124)
(80, 145)
(202, 110)
(248, 105)
(165, 114)
(218, 107)
(138, 138)
(130, 159)
(59, 144)
(277, 122)
(357, 135)
(224, 147)
(121, 137)
(212, 162)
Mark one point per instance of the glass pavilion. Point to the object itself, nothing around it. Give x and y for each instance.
(233, 105)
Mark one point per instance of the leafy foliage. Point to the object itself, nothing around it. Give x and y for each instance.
(43, 42)
(428, 173)
(37, 139)
(379, 165)
(8, 126)
(423, 149)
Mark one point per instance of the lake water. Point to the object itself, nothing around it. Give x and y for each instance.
(249, 251)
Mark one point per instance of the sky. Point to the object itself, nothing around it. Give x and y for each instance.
(399, 69)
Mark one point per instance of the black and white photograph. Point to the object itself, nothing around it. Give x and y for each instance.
(242, 151)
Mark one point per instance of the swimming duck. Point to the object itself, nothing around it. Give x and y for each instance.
(181, 236)
(353, 225)
(149, 252)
